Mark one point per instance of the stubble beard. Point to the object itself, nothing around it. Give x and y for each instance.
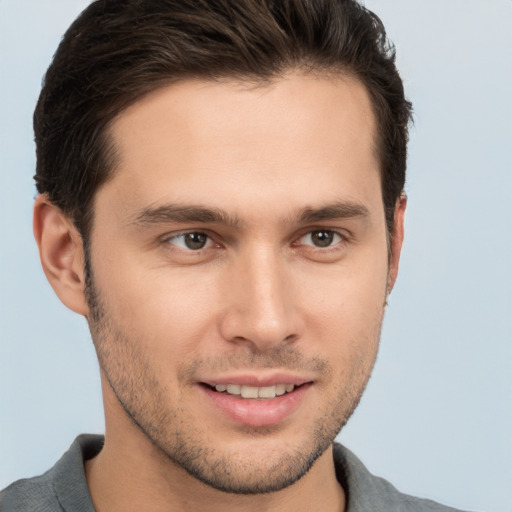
(179, 441)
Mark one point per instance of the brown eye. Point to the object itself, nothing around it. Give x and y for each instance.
(193, 241)
(321, 238)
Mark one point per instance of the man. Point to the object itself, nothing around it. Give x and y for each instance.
(221, 196)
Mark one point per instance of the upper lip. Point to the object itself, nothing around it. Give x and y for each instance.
(257, 379)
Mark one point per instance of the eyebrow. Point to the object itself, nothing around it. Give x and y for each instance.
(180, 214)
(184, 214)
(338, 210)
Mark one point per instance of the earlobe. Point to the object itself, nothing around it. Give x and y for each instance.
(61, 253)
(397, 240)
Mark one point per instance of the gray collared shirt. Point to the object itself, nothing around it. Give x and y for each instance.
(64, 487)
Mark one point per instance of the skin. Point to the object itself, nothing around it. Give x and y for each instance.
(259, 299)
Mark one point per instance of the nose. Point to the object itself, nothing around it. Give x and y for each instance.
(259, 305)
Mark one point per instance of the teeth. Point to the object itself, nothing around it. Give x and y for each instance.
(255, 392)
(267, 392)
(249, 392)
(280, 389)
(233, 389)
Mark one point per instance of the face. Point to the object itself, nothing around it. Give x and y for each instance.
(239, 270)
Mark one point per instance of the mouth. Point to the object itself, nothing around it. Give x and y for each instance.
(246, 403)
(254, 392)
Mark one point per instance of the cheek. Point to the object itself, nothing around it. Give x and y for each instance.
(345, 310)
(167, 313)
(352, 295)
(172, 312)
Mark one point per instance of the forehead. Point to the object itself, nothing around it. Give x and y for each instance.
(217, 140)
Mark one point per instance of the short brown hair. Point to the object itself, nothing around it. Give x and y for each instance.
(119, 50)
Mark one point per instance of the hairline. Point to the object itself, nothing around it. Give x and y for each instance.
(111, 153)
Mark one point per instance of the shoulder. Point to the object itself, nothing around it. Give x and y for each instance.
(62, 488)
(366, 491)
(30, 494)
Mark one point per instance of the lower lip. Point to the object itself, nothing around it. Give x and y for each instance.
(257, 413)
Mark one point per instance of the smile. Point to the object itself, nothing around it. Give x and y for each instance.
(256, 406)
(264, 392)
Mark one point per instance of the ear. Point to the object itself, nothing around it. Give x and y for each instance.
(61, 253)
(397, 239)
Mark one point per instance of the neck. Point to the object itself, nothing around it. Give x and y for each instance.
(131, 474)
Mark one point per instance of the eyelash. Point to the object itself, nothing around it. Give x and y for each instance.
(332, 233)
(182, 236)
(343, 238)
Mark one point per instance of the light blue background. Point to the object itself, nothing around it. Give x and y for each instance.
(437, 416)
